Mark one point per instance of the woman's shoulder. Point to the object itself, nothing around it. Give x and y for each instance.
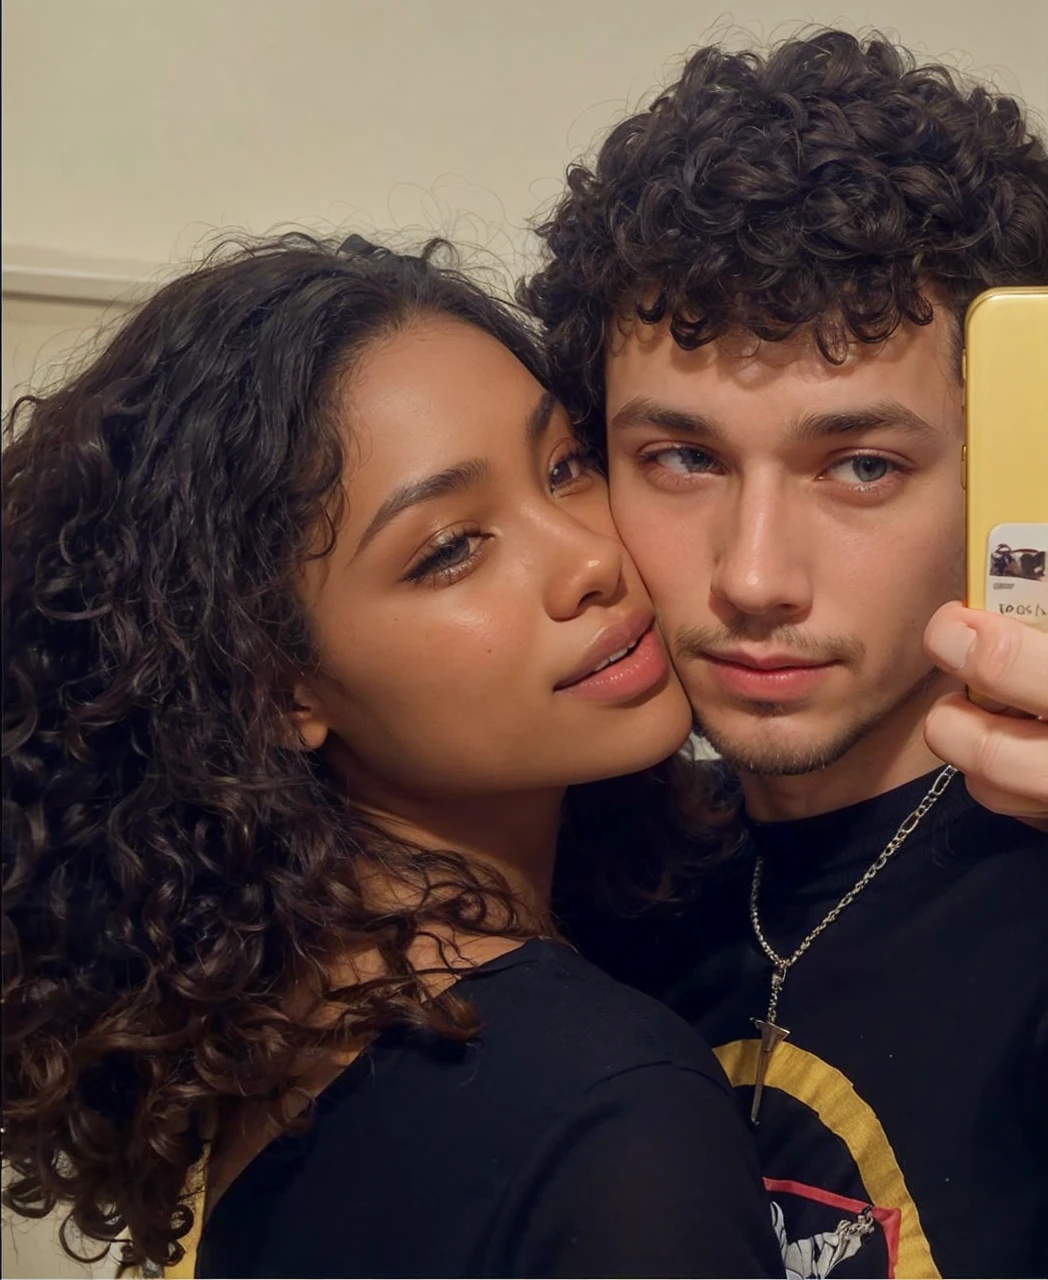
(548, 1009)
(578, 1098)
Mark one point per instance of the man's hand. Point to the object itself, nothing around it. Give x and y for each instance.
(1003, 755)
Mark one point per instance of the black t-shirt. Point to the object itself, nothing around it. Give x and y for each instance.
(904, 1125)
(587, 1131)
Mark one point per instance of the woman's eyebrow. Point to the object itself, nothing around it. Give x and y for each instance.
(539, 418)
(453, 479)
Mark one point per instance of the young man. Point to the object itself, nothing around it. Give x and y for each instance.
(760, 288)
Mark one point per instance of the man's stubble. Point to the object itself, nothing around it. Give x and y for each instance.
(779, 759)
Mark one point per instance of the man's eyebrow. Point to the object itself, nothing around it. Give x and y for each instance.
(451, 480)
(642, 411)
(841, 422)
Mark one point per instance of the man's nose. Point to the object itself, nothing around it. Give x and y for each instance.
(762, 554)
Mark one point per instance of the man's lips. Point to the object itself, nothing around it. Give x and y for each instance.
(768, 677)
(766, 661)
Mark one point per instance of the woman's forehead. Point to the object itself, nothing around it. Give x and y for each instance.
(439, 388)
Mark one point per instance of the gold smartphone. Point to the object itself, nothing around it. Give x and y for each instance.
(1005, 463)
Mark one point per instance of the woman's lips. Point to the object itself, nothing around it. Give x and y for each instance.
(769, 683)
(639, 671)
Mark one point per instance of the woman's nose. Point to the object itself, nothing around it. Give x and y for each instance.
(587, 568)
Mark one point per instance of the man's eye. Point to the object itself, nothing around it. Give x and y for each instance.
(863, 468)
(682, 460)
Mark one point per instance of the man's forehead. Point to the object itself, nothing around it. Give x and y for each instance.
(739, 383)
(636, 350)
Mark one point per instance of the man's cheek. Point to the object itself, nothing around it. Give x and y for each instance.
(645, 532)
(676, 574)
(655, 532)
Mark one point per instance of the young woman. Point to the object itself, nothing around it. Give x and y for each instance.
(314, 610)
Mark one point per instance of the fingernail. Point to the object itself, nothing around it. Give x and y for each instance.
(950, 644)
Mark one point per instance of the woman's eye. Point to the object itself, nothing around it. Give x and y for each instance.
(451, 555)
(863, 468)
(682, 460)
(570, 469)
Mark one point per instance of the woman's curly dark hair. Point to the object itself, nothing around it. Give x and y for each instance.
(831, 183)
(174, 867)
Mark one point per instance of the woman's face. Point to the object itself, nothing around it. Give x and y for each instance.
(476, 586)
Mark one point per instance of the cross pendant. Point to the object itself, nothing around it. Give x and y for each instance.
(772, 1035)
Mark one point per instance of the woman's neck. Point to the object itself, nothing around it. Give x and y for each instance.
(514, 835)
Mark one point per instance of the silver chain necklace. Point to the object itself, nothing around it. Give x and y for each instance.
(771, 1033)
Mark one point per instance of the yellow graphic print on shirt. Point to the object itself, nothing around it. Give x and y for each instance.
(831, 1096)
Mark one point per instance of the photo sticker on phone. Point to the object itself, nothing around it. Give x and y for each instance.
(1017, 572)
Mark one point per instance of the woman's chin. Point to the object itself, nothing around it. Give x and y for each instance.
(637, 737)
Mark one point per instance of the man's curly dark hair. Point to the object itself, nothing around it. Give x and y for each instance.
(174, 868)
(832, 183)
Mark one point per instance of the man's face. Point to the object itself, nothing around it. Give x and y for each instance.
(796, 522)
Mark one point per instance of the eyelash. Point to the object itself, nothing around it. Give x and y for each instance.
(652, 461)
(710, 465)
(584, 456)
(895, 468)
(429, 571)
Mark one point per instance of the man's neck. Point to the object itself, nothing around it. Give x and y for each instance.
(889, 756)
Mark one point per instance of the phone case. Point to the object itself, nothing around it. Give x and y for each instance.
(1005, 467)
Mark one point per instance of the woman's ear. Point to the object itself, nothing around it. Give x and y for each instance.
(309, 726)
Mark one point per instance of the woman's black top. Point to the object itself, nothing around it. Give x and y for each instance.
(585, 1132)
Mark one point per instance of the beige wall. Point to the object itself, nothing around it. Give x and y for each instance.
(32, 1249)
(46, 337)
(132, 129)
(135, 126)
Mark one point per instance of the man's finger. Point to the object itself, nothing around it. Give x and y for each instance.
(1004, 660)
(1001, 756)
(1006, 802)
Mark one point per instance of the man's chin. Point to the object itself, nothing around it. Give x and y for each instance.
(772, 755)
(774, 740)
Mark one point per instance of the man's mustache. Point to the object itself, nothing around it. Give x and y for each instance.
(701, 642)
